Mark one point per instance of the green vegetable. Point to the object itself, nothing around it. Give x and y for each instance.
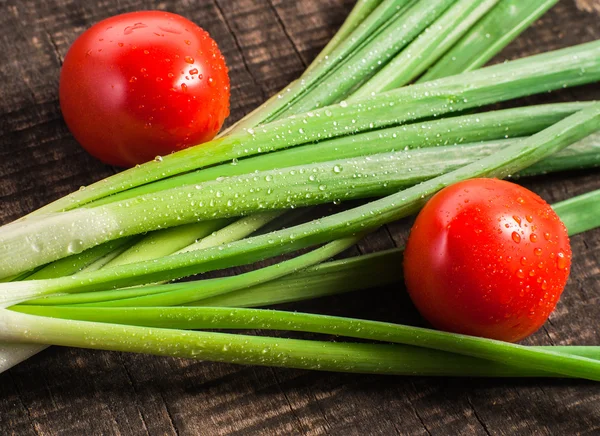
(358, 220)
(365, 61)
(83, 228)
(579, 214)
(358, 15)
(427, 48)
(447, 131)
(256, 350)
(490, 35)
(369, 119)
(567, 67)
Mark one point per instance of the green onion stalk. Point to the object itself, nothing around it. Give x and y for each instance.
(362, 12)
(508, 160)
(365, 18)
(362, 9)
(76, 245)
(170, 165)
(579, 214)
(467, 356)
(488, 36)
(505, 360)
(83, 228)
(386, 173)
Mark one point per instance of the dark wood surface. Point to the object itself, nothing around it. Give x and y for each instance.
(267, 44)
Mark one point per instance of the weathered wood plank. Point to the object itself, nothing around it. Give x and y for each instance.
(267, 43)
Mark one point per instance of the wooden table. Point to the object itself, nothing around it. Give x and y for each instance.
(267, 44)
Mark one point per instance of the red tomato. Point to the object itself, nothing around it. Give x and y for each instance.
(487, 258)
(143, 84)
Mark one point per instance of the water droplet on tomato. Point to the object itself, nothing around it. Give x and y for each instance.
(189, 59)
(193, 71)
(187, 41)
(129, 29)
(133, 79)
(523, 260)
(537, 251)
(520, 273)
(520, 200)
(547, 236)
(183, 87)
(561, 261)
(516, 237)
(120, 44)
(533, 237)
(169, 30)
(517, 219)
(146, 52)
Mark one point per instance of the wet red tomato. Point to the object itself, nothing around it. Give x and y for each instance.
(488, 258)
(143, 84)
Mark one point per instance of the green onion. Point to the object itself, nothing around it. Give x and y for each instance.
(292, 353)
(568, 67)
(357, 16)
(234, 231)
(166, 242)
(337, 276)
(366, 60)
(256, 350)
(329, 278)
(182, 293)
(484, 40)
(427, 48)
(375, 175)
(447, 131)
(580, 213)
(358, 220)
(85, 228)
(380, 16)
(362, 36)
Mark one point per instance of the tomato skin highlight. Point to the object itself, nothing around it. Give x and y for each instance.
(488, 258)
(143, 84)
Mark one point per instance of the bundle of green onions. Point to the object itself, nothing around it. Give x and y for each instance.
(349, 128)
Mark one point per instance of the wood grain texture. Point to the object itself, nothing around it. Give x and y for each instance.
(267, 43)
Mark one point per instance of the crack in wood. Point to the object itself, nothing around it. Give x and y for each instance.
(418, 415)
(169, 415)
(30, 418)
(239, 49)
(477, 417)
(287, 399)
(132, 385)
(287, 34)
(54, 47)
